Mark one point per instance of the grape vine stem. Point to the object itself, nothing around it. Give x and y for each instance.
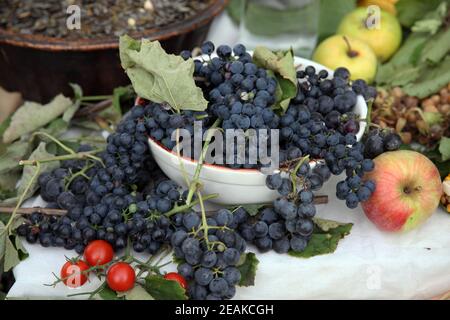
(79, 155)
(195, 181)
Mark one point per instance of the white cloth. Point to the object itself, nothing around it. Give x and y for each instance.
(368, 264)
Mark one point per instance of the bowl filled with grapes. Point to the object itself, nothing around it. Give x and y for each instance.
(323, 122)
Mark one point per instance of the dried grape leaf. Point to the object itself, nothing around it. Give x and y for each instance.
(31, 116)
(29, 170)
(15, 152)
(160, 77)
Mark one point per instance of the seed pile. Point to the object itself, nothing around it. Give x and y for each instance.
(98, 17)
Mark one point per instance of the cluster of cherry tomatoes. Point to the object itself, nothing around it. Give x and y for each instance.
(99, 255)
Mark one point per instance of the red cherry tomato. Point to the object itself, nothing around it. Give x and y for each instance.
(74, 274)
(120, 277)
(176, 277)
(98, 253)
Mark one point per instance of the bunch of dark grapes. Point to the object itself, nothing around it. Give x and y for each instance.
(287, 224)
(161, 122)
(210, 253)
(103, 201)
(117, 217)
(378, 141)
(240, 93)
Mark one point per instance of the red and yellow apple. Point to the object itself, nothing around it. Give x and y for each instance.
(408, 190)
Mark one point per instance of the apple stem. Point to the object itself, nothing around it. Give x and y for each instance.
(351, 53)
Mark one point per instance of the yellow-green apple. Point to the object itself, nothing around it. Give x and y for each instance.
(383, 33)
(408, 190)
(342, 51)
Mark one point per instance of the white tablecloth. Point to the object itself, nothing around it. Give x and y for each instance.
(368, 264)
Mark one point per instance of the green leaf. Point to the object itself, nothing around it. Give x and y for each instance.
(77, 91)
(324, 239)
(3, 237)
(409, 11)
(137, 293)
(162, 289)
(5, 124)
(431, 81)
(55, 128)
(252, 209)
(444, 148)
(398, 75)
(160, 77)
(281, 63)
(23, 253)
(11, 258)
(31, 116)
(78, 94)
(29, 170)
(14, 153)
(248, 270)
(436, 48)
(121, 93)
(432, 21)
(107, 294)
(86, 124)
(331, 14)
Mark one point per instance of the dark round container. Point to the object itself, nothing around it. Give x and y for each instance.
(41, 67)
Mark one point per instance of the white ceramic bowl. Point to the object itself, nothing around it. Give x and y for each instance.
(234, 186)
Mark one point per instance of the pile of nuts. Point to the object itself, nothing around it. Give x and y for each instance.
(423, 121)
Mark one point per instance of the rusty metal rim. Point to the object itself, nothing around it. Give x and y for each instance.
(58, 44)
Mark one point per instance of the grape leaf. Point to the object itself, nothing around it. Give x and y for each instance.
(11, 258)
(432, 21)
(137, 293)
(160, 77)
(444, 148)
(409, 11)
(55, 128)
(162, 289)
(15, 152)
(9, 255)
(431, 81)
(324, 239)
(436, 48)
(248, 269)
(31, 116)
(252, 209)
(108, 294)
(29, 170)
(281, 63)
(78, 94)
(118, 94)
